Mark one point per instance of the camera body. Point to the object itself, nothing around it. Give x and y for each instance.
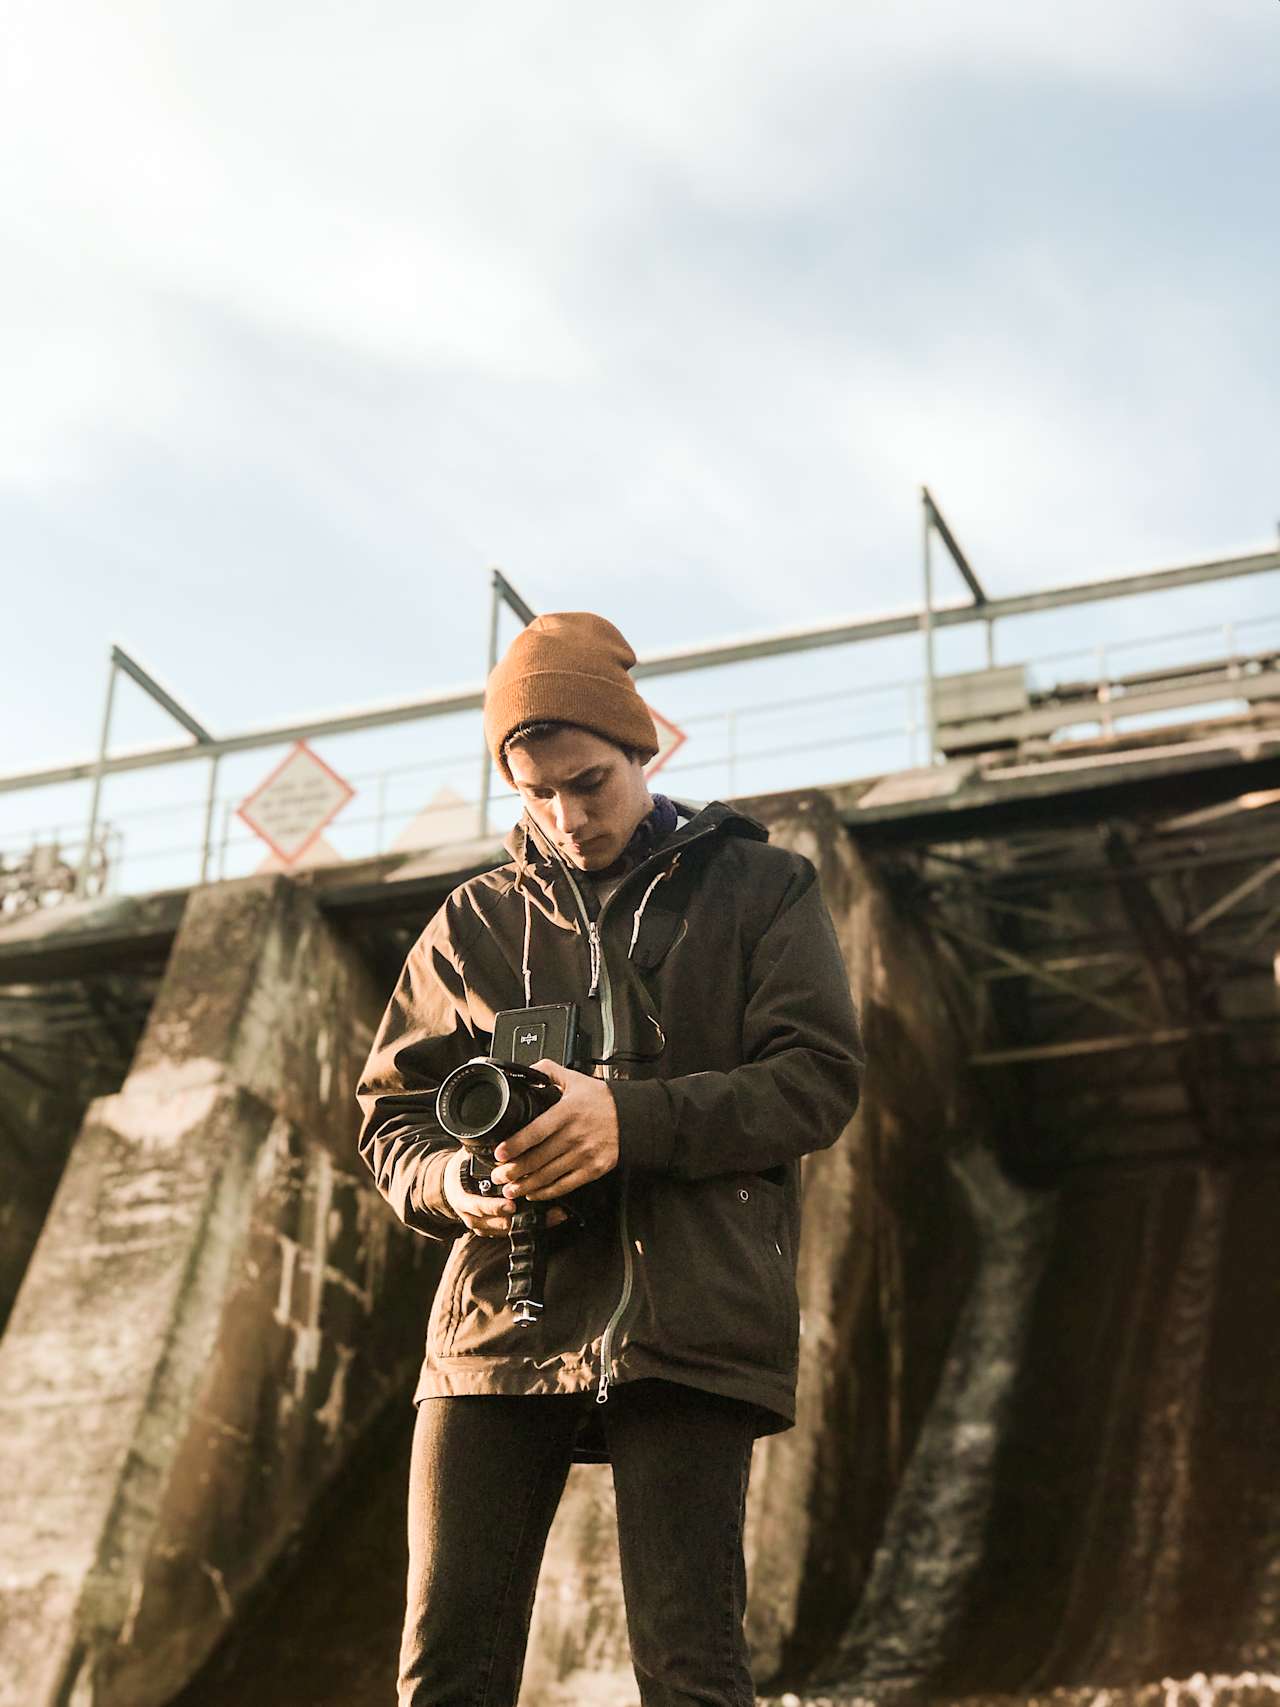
(491, 1096)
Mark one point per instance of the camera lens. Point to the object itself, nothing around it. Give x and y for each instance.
(489, 1100)
(472, 1099)
(479, 1104)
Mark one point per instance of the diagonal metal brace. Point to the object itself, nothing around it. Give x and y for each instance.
(1065, 986)
(1224, 904)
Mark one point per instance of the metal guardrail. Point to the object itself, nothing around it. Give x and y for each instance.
(786, 742)
(51, 868)
(922, 620)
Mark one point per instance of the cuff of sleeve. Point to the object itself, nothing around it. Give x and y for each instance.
(646, 1130)
(428, 1189)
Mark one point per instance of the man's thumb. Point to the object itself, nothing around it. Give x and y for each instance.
(558, 1074)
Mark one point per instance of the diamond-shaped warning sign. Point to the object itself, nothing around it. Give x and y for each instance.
(670, 740)
(291, 807)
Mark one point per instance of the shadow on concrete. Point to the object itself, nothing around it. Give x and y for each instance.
(325, 1628)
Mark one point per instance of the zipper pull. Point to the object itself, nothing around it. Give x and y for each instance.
(602, 1395)
(593, 940)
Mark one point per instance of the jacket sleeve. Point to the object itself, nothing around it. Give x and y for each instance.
(802, 1065)
(425, 1033)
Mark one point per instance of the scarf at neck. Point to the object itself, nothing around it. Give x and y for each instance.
(644, 838)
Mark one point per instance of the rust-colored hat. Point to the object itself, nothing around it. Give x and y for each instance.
(569, 667)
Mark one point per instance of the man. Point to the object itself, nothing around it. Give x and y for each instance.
(720, 1045)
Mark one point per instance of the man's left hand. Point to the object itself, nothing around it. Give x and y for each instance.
(570, 1144)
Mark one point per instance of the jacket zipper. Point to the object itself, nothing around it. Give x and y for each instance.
(600, 985)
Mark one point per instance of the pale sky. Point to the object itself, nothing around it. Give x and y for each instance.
(310, 313)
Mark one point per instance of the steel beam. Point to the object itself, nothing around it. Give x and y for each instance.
(507, 592)
(949, 540)
(1225, 903)
(1019, 963)
(149, 685)
(953, 615)
(273, 735)
(1181, 995)
(1067, 963)
(1114, 1044)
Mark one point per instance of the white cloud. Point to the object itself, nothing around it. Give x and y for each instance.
(654, 294)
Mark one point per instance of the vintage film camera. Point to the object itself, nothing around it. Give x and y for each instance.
(490, 1097)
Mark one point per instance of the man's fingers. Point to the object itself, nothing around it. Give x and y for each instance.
(561, 1188)
(524, 1168)
(488, 1216)
(542, 1180)
(492, 1226)
(550, 1180)
(536, 1132)
(489, 1222)
(550, 1120)
(499, 1226)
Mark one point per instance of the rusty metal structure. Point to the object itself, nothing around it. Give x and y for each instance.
(1119, 911)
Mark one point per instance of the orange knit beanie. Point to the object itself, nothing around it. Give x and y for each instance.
(569, 667)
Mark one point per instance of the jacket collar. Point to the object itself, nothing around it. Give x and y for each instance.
(532, 852)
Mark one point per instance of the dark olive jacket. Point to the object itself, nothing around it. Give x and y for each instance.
(713, 995)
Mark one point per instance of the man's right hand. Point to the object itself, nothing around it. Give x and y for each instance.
(490, 1217)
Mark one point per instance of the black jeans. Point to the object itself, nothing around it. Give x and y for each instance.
(486, 1477)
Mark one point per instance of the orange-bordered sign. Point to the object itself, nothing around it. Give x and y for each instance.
(670, 740)
(290, 808)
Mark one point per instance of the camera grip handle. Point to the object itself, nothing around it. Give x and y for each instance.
(527, 1261)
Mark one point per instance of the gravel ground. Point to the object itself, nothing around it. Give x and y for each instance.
(1243, 1689)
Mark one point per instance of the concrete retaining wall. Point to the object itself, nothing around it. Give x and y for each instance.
(217, 1306)
(60, 1046)
(37, 1126)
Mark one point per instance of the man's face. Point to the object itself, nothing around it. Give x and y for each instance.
(585, 795)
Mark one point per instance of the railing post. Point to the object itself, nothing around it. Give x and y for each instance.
(926, 623)
(502, 590)
(226, 837)
(210, 806)
(91, 833)
(486, 763)
(1233, 659)
(380, 823)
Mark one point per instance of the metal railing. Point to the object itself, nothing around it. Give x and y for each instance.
(799, 740)
(45, 870)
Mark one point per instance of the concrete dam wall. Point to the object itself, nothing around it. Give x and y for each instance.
(1037, 1438)
(215, 1309)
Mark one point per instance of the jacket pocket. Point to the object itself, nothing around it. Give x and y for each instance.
(779, 1257)
(721, 1285)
